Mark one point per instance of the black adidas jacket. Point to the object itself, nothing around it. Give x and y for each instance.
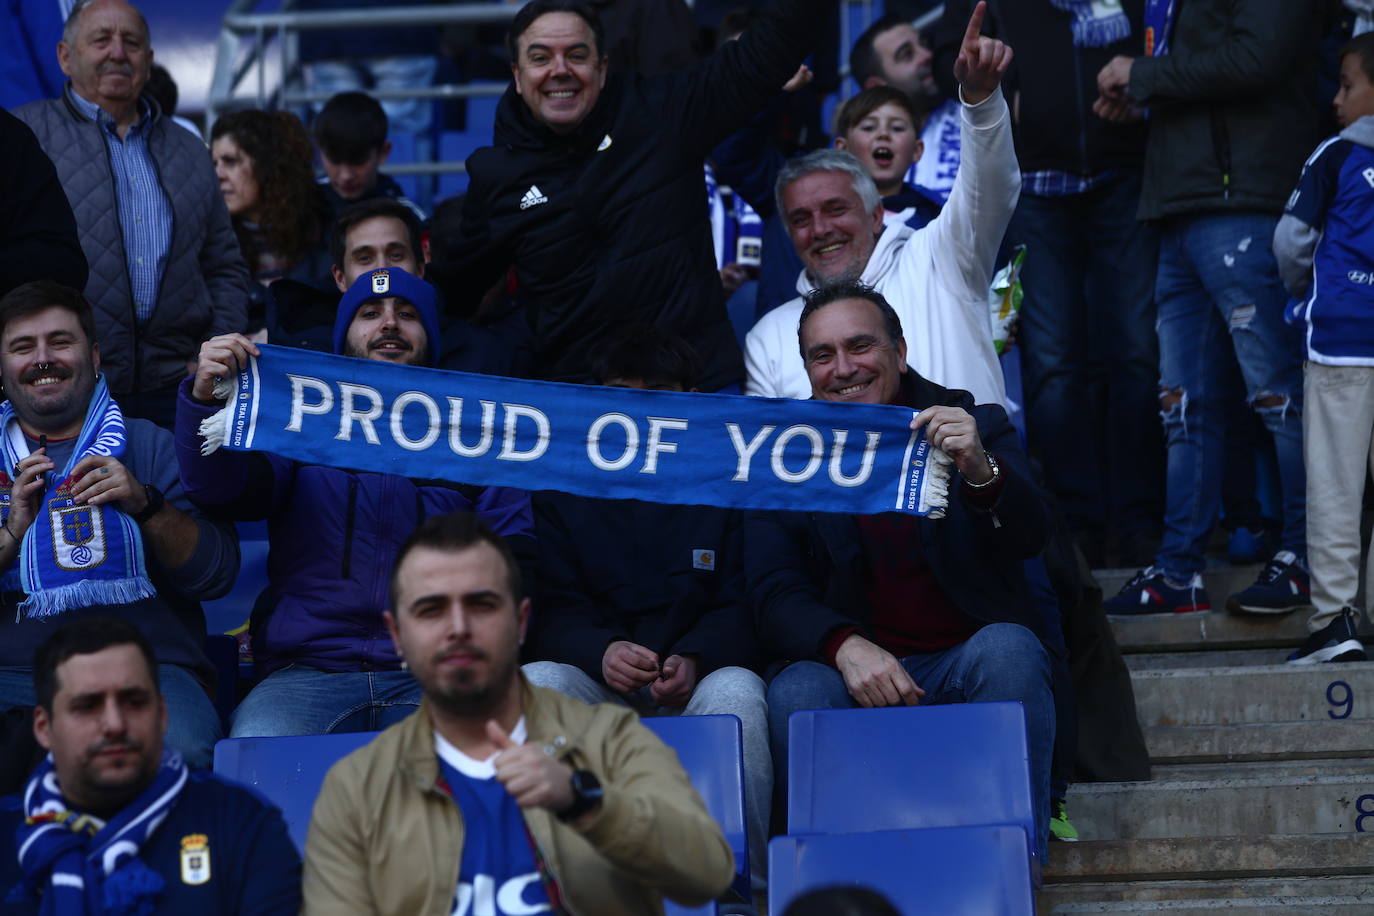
(621, 234)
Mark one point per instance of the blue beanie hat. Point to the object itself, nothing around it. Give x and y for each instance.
(390, 281)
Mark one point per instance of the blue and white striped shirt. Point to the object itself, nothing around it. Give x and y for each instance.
(145, 214)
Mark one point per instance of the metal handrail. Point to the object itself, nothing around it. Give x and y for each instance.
(239, 22)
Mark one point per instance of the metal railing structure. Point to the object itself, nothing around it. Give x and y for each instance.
(248, 40)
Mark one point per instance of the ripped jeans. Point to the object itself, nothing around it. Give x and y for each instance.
(1220, 298)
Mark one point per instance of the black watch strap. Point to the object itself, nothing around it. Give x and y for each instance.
(155, 503)
(586, 795)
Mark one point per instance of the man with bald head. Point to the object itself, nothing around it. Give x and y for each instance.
(165, 269)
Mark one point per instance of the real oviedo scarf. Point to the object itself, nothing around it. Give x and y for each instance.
(74, 555)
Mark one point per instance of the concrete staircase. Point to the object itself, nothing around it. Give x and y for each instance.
(1263, 775)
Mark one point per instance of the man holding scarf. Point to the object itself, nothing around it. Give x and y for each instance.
(94, 520)
(112, 822)
(318, 636)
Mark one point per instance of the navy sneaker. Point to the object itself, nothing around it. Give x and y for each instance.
(1335, 642)
(1151, 593)
(1282, 586)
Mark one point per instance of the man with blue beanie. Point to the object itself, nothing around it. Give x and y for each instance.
(327, 661)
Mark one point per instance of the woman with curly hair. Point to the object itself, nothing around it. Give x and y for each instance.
(264, 162)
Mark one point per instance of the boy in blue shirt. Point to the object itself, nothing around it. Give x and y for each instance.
(1323, 246)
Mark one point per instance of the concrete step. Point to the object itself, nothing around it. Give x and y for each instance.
(1261, 741)
(1328, 896)
(1206, 658)
(1266, 769)
(1230, 806)
(1258, 693)
(1211, 858)
(1208, 631)
(1072, 898)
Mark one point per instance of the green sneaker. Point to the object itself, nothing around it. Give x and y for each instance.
(1061, 828)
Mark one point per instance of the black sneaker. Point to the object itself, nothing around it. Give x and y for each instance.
(1283, 586)
(1335, 642)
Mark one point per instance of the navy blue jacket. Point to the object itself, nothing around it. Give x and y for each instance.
(255, 869)
(1323, 246)
(669, 578)
(806, 571)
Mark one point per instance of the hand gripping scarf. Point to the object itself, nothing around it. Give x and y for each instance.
(74, 555)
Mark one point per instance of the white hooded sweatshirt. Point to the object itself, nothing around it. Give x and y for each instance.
(936, 277)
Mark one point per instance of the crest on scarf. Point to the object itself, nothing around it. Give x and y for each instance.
(80, 541)
(195, 858)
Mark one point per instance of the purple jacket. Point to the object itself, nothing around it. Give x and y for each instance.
(334, 535)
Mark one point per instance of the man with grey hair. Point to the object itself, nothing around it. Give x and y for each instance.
(935, 277)
(165, 269)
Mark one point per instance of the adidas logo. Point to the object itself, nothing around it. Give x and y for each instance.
(533, 197)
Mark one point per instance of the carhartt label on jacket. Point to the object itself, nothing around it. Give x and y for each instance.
(533, 197)
(704, 559)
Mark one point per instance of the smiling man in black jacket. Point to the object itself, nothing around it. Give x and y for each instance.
(593, 187)
(892, 609)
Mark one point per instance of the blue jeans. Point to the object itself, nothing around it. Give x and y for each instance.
(1002, 661)
(192, 722)
(1089, 356)
(1220, 298)
(300, 700)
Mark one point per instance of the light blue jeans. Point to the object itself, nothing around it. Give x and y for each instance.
(1002, 661)
(726, 691)
(193, 725)
(1220, 300)
(301, 700)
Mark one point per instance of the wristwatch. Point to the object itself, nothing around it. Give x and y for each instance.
(155, 503)
(996, 474)
(587, 795)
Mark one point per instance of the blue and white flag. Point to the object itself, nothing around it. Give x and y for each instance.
(615, 443)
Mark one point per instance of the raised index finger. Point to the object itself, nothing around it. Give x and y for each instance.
(975, 23)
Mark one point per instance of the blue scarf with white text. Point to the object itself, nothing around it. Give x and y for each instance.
(614, 443)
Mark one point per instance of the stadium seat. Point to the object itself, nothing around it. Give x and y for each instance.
(911, 767)
(711, 750)
(287, 771)
(230, 613)
(940, 871)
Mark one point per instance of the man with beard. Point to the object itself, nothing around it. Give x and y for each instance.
(498, 796)
(94, 519)
(112, 821)
(317, 630)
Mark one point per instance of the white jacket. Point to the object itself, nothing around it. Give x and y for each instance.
(936, 277)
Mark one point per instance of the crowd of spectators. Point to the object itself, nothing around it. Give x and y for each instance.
(1134, 164)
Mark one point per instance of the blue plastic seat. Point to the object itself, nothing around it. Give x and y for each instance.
(290, 772)
(900, 768)
(287, 771)
(711, 750)
(939, 871)
(230, 613)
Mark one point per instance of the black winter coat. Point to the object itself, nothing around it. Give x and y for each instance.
(622, 235)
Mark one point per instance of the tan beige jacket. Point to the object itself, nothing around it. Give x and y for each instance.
(385, 839)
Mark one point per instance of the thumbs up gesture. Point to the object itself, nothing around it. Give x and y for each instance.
(982, 61)
(533, 778)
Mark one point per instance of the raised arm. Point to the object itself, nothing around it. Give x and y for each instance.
(966, 235)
